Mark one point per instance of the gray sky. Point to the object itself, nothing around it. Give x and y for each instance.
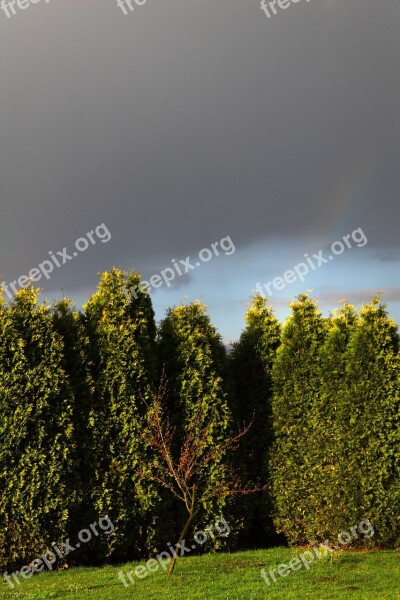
(186, 121)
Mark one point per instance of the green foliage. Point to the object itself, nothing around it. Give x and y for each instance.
(121, 333)
(36, 433)
(192, 358)
(77, 391)
(71, 326)
(329, 500)
(337, 425)
(251, 362)
(370, 423)
(296, 393)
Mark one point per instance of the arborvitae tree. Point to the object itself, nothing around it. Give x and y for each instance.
(70, 324)
(192, 358)
(11, 413)
(251, 362)
(35, 432)
(296, 390)
(121, 331)
(370, 424)
(328, 446)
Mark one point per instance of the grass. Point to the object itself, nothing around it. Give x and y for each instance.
(374, 575)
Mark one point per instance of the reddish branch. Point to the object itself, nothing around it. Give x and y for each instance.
(187, 475)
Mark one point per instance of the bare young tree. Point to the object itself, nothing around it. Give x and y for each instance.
(196, 474)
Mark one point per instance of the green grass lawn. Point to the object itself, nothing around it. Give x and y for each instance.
(374, 575)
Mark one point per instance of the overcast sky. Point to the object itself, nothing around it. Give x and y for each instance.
(187, 121)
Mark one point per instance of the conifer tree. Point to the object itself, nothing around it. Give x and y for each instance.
(193, 360)
(251, 362)
(71, 326)
(370, 423)
(121, 332)
(328, 448)
(36, 439)
(296, 390)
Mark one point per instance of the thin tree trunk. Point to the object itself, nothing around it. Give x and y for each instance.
(187, 525)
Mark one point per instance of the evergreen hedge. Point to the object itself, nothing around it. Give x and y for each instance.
(75, 389)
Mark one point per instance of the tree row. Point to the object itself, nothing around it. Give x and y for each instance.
(79, 395)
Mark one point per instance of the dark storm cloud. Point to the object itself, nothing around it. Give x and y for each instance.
(333, 298)
(387, 256)
(187, 121)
